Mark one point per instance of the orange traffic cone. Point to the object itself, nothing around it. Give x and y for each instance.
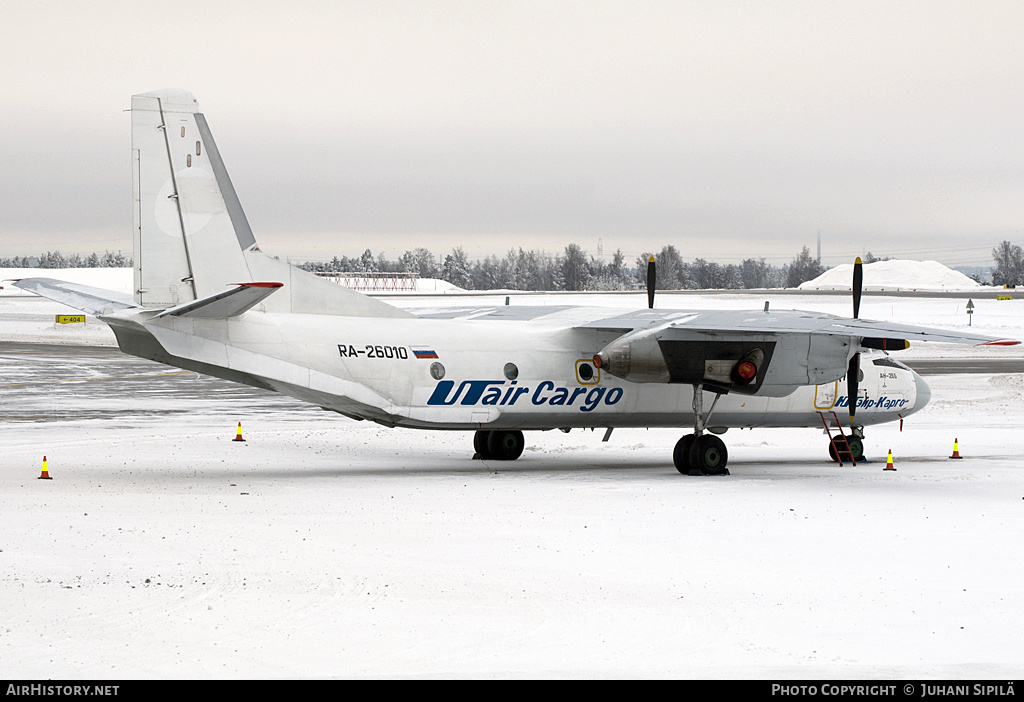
(956, 449)
(238, 434)
(888, 462)
(46, 473)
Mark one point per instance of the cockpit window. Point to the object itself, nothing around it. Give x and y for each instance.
(890, 362)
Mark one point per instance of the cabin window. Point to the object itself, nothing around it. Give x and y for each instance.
(511, 372)
(436, 371)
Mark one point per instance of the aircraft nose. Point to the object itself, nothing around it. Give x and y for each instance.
(924, 393)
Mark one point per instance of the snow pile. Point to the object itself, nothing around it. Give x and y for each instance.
(894, 275)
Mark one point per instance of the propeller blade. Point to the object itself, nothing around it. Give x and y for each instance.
(852, 379)
(858, 283)
(853, 372)
(651, 278)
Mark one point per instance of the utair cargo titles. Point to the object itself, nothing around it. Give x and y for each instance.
(494, 392)
(882, 402)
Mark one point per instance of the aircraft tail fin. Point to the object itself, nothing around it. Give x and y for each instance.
(192, 239)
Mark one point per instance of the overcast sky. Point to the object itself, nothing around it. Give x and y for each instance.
(728, 129)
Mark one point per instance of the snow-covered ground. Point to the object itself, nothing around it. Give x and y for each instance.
(323, 547)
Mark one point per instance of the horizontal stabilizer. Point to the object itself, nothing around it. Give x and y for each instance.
(228, 303)
(94, 301)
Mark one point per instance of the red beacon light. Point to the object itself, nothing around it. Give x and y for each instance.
(745, 371)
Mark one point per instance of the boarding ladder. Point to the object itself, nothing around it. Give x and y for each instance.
(839, 442)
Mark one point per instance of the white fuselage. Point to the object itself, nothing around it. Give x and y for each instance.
(473, 374)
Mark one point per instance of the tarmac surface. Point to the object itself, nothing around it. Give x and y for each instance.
(45, 383)
(956, 366)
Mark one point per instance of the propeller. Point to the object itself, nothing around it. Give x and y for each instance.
(651, 277)
(853, 371)
(858, 282)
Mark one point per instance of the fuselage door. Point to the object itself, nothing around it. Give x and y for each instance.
(825, 395)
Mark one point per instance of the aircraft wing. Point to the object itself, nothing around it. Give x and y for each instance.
(94, 301)
(679, 323)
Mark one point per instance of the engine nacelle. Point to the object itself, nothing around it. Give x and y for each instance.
(636, 358)
(731, 365)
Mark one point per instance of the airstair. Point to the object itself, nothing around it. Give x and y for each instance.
(840, 444)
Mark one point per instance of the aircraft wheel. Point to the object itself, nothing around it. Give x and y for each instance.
(505, 445)
(681, 454)
(709, 455)
(480, 445)
(856, 447)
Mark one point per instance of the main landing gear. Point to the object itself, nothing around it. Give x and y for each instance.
(705, 454)
(498, 445)
(700, 453)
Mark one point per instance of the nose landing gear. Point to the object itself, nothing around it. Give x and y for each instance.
(856, 444)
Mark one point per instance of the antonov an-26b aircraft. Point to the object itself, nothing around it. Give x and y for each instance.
(207, 300)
